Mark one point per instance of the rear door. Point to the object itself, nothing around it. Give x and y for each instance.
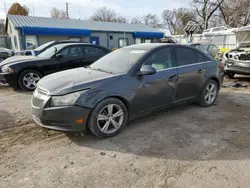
(157, 90)
(73, 57)
(93, 53)
(191, 72)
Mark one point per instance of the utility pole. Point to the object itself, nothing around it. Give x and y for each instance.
(67, 10)
(5, 8)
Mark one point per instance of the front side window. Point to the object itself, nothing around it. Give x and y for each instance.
(92, 51)
(201, 58)
(72, 51)
(160, 59)
(185, 56)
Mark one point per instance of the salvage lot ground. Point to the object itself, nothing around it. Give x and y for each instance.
(185, 146)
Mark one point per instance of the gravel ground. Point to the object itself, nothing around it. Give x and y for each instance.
(185, 146)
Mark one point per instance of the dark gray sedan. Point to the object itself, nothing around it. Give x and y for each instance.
(123, 85)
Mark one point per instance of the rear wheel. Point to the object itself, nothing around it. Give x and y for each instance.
(209, 93)
(28, 79)
(108, 118)
(231, 75)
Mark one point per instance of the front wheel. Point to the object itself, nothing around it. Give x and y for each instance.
(28, 79)
(209, 93)
(108, 118)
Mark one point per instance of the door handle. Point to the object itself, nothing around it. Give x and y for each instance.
(172, 78)
(200, 71)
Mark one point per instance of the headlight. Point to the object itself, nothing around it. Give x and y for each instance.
(65, 100)
(6, 69)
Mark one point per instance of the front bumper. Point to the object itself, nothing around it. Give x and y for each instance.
(66, 118)
(9, 78)
(238, 67)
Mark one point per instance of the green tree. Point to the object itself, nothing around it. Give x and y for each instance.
(18, 9)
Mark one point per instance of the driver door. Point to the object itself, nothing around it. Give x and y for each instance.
(73, 56)
(157, 90)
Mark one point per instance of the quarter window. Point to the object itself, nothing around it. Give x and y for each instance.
(91, 51)
(185, 56)
(160, 59)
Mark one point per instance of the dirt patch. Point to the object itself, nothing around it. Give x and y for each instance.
(184, 146)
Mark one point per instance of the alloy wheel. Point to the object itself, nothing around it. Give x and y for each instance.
(110, 118)
(30, 80)
(211, 93)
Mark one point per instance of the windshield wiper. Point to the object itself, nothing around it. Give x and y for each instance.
(101, 70)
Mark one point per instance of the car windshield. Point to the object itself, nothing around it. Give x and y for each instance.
(119, 61)
(203, 47)
(48, 53)
(44, 46)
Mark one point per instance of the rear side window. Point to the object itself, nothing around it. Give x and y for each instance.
(201, 57)
(185, 56)
(91, 51)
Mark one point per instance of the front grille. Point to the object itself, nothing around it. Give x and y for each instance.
(37, 102)
(241, 67)
(244, 57)
(38, 98)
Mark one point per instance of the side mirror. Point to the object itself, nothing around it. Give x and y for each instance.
(146, 70)
(59, 56)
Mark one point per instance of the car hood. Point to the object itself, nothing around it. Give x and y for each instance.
(73, 80)
(19, 59)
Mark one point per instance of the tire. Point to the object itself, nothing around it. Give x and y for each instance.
(230, 75)
(207, 92)
(28, 76)
(97, 127)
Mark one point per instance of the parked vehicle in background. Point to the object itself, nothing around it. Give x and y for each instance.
(209, 48)
(123, 85)
(45, 46)
(26, 71)
(237, 61)
(5, 53)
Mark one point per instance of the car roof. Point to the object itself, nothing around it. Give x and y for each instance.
(147, 46)
(71, 44)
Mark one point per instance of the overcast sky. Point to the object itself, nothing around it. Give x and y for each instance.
(84, 8)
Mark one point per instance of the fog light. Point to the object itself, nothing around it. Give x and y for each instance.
(79, 121)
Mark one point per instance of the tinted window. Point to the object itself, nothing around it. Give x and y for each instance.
(91, 50)
(201, 57)
(185, 56)
(160, 59)
(72, 51)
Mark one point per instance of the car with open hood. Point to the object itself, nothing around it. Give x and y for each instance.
(125, 84)
(26, 71)
(237, 61)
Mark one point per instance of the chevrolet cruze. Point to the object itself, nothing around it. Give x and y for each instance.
(123, 85)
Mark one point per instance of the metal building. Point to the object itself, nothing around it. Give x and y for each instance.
(29, 32)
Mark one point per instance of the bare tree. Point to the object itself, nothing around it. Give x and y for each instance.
(175, 20)
(235, 13)
(149, 19)
(59, 14)
(107, 15)
(204, 10)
